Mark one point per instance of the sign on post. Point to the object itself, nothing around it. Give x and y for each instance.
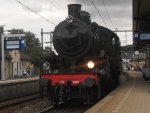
(12, 42)
(15, 44)
(141, 37)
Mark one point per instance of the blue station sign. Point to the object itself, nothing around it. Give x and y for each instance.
(141, 37)
(19, 44)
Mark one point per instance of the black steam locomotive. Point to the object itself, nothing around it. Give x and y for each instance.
(87, 63)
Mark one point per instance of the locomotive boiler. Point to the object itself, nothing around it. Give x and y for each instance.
(87, 63)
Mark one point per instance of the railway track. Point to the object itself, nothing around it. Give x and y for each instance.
(49, 108)
(67, 108)
(34, 104)
(38, 105)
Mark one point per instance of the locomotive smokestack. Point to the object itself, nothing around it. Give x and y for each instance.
(74, 10)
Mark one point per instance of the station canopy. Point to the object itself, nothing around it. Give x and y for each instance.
(141, 25)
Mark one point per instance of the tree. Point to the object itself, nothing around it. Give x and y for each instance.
(33, 48)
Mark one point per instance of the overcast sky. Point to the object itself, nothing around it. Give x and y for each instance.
(115, 14)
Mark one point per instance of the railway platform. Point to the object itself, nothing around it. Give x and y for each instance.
(21, 80)
(16, 88)
(132, 96)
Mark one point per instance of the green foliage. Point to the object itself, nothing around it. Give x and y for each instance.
(33, 48)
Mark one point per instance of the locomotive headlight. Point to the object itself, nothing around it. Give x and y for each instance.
(46, 66)
(69, 19)
(90, 64)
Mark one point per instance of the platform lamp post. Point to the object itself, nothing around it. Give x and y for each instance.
(126, 60)
(137, 54)
(116, 30)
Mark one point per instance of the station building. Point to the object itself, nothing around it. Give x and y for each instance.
(15, 63)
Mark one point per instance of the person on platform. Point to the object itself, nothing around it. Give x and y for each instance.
(25, 74)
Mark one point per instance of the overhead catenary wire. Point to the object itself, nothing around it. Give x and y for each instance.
(126, 36)
(99, 13)
(103, 3)
(58, 8)
(35, 13)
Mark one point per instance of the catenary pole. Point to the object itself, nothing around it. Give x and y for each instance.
(2, 60)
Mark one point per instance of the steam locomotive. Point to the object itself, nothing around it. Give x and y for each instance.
(87, 63)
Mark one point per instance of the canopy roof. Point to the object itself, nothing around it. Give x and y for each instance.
(141, 16)
(141, 23)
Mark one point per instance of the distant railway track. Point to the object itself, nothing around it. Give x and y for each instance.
(16, 101)
(33, 105)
